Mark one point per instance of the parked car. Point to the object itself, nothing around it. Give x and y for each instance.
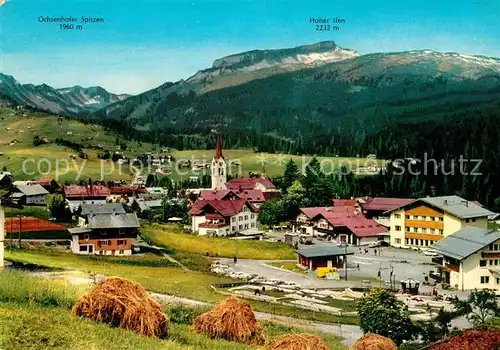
(431, 252)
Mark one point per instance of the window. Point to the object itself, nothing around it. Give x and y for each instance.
(433, 218)
(397, 241)
(246, 226)
(121, 241)
(252, 216)
(252, 224)
(398, 228)
(121, 231)
(415, 217)
(496, 262)
(485, 279)
(246, 217)
(397, 216)
(482, 263)
(441, 232)
(233, 219)
(498, 280)
(424, 230)
(415, 229)
(441, 218)
(84, 248)
(121, 252)
(102, 243)
(86, 237)
(240, 227)
(407, 217)
(466, 220)
(490, 262)
(474, 220)
(407, 229)
(433, 231)
(424, 217)
(407, 241)
(240, 218)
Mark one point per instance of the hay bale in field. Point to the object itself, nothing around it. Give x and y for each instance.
(125, 304)
(372, 341)
(231, 320)
(299, 342)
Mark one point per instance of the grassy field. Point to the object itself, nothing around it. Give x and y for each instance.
(51, 160)
(163, 235)
(161, 278)
(35, 314)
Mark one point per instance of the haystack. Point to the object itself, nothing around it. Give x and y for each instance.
(231, 320)
(125, 304)
(299, 342)
(372, 341)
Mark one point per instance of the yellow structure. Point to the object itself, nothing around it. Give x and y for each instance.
(427, 220)
(322, 272)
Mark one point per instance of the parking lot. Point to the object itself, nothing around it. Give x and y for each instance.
(403, 264)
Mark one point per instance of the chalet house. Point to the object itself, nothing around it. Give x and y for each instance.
(86, 194)
(104, 229)
(305, 217)
(470, 258)
(256, 197)
(218, 217)
(424, 221)
(28, 195)
(49, 184)
(352, 228)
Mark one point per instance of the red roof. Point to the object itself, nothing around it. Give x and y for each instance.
(344, 202)
(218, 148)
(31, 224)
(383, 204)
(86, 191)
(249, 183)
(127, 190)
(249, 195)
(45, 181)
(356, 222)
(315, 211)
(223, 207)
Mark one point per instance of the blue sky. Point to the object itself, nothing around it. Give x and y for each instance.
(142, 44)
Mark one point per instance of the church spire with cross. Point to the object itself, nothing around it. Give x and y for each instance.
(219, 168)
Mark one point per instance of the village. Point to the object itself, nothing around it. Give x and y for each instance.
(430, 250)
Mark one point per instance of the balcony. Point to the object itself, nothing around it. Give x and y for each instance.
(213, 225)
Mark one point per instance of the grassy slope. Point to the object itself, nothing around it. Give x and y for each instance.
(30, 326)
(223, 247)
(170, 280)
(34, 314)
(24, 128)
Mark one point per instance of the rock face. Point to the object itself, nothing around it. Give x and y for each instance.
(326, 51)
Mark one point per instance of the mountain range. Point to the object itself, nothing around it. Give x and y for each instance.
(71, 101)
(290, 95)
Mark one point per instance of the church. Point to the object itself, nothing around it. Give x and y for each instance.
(230, 207)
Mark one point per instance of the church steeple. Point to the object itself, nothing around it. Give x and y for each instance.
(219, 169)
(218, 148)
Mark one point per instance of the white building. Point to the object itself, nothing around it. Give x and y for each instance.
(33, 194)
(219, 168)
(471, 258)
(218, 218)
(424, 221)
